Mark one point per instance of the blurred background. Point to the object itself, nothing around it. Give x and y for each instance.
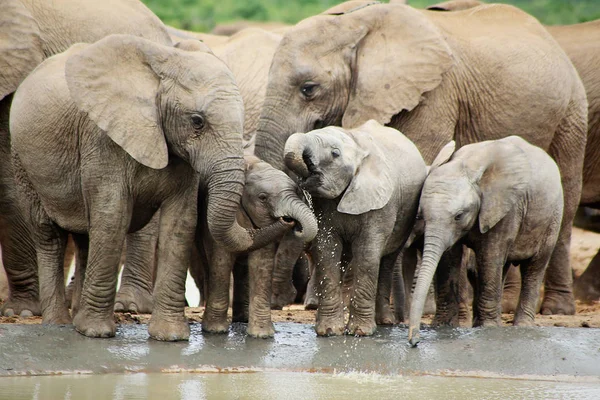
(203, 15)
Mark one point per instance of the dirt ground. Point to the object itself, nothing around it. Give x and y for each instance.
(584, 246)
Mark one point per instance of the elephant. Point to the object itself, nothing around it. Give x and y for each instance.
(504, 200)
(366, 203)
(581, 42)
(123, 127)
(469, 76)
(269, 194)
(31, 31)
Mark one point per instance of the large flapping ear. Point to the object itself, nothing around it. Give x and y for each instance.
(443, 156)
(373, 184)
(402, 57)
(114, 82)
(20, 45)
(349, 6)
(503, 182)
(455, 5)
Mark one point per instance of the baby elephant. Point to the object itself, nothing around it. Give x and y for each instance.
(503, 199)
(269, 194)
(365, 184)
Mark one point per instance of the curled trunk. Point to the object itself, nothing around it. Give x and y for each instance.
(299, 211)
(225, 188)
(432, 252)
(295, 154)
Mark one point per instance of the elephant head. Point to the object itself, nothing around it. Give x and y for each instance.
(270, 194)
(333, 161)
(455, 5)
(371, 62)
(161, 104)
(478, 185)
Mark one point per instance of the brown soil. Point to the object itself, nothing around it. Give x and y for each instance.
(584, 246)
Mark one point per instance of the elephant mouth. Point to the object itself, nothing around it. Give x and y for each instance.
(297, 226)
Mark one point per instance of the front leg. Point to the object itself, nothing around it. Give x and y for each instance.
(219, 271)
(383, 312)
(288, 251)
(447, 287)
(327, 254)
(177, 228)
(366, 259)
(260, 272)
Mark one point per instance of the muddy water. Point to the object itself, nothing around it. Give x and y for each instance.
(285, 385)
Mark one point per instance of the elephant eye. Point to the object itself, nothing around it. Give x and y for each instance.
(459, 216)
(262, 196)
(419, 217)
(335, 153)
(308, 89)
(198, 121)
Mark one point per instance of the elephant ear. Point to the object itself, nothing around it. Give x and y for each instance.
(503, 182)
(20, 45)
(443, 156)
(402, 57)
(115, 83)
(455, 5)
(372, 185)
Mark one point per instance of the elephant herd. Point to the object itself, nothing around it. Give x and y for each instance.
(345, 145)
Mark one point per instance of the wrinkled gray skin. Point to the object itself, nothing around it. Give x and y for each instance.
(32, 30)
(365, 185)
(504, 200)
(485, 74)
(269, 194)
(105, 134)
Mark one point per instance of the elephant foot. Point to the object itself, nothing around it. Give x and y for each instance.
(328, 327)
(384, 315)
(133, 300)
(558, 304)
(586, 291)
(261, 331)
(360, 327)
(311, 302)
(99, 327)
(210, 325)
(21, 307)
(446, 319)
(168, 331)
(509, 303)
(486, 322)
(465, 318)
(523, 322)
(283, 297)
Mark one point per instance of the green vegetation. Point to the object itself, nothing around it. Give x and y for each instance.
(203, 15)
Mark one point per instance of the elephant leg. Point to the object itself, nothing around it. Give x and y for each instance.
(241, 289)
(587, 286)
(300, 277)
(398, 288)
(177, 229)
(568, 151)
(490, 264)
(511, 290)
(137, 279)
(288, 252)
(447, 287)
(311, 300)
(383, 312)
(366, 260)
(532, 275)
(51, 242)
(260, 273)
(217, 295)
(82, 244)
(69, 257)
(327, 254)
(410, 261)
(95, 317)
(465, 289)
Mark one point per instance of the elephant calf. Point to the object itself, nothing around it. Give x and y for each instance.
(365, 184)
(504, 200)
(269, 195)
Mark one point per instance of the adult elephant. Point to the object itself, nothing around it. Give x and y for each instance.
(30, 31)
(581, 42)
(477, 75)
(115, 151)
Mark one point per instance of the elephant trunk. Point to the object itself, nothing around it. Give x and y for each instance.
(296, 154)
(432, 252)
(299, 211)
(271, 134)
(225, 187)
